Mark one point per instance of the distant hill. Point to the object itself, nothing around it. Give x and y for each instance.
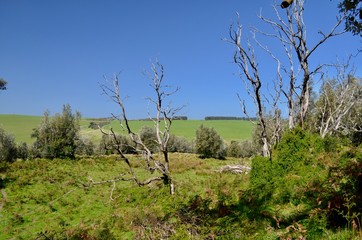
(21, 127)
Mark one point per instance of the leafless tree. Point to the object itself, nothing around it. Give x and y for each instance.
(244, 57)
(293, 77)
(291, 32)
(162, 123)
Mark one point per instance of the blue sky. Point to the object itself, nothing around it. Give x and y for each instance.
(57, 52)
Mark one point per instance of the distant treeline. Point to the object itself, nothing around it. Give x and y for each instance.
(174, 118)
(229, 118)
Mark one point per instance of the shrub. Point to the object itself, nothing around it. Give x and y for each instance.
(209, 143)
(242, 149)
(179, 144)
(234, 149)
(8, 148)
(109, 145)
(23, 151)
(149, 138)
(85, 147)
(57, 137)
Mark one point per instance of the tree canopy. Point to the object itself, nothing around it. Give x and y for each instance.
(353, 9)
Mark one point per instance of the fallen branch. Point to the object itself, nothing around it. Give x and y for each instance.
(236, 169)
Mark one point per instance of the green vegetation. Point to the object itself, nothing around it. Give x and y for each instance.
(49, 199)
(208, 143)
(57, 136)
(313, 195)
(21, 127)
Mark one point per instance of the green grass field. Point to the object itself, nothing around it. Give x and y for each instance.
(45, 199)
(20, 126)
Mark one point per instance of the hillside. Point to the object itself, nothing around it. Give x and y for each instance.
(21, 126)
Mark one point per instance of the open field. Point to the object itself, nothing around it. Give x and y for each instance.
(20, 126)
(46, 199)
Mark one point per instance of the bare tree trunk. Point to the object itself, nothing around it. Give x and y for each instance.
(244, 57)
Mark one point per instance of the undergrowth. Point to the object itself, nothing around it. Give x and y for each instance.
(305, 191)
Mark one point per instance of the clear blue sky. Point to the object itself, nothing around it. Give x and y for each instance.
(56, 52)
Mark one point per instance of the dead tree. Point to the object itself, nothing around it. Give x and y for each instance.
(244, 57)
(162, 123)
(292, 34)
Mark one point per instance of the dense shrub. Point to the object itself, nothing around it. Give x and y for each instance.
(179, 144)
(109, 144)
(23, 151)
(8, 148)
(241, 149)
(149, 138)
(85, 147)
(57, 136)
(208, 143)
(307, 183)
(234, 149)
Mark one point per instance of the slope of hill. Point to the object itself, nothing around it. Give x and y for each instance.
(21, 126)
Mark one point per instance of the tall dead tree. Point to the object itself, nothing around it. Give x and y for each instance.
(162, 123)
(294, 76)
(291, 32)
(244, 57)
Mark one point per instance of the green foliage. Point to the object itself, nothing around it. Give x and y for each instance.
(85, 147)
(8, 148)
(179, 144)
(23, 151)
(149, 138)
(353, 9)
(208, 143)
(109, 145)
(306, 184)
(57, 136)
(242, 149)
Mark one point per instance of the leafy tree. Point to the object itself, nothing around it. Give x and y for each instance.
(8, 149)
(338, 109)
(3, 84)
(353, 9)
(209, 143)
(57, 136)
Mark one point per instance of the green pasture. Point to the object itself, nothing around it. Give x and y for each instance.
(21, 126)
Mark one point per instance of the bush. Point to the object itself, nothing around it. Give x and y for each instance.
(57, 137)
(23, 151)
(179, 144)
(149, 138)
(85, 147)
(8, 148)
(308, 184)
(109, 145)
(209, 143)
(234, 149)
(241, 150)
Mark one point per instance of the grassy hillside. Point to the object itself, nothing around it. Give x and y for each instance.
(20, 126)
